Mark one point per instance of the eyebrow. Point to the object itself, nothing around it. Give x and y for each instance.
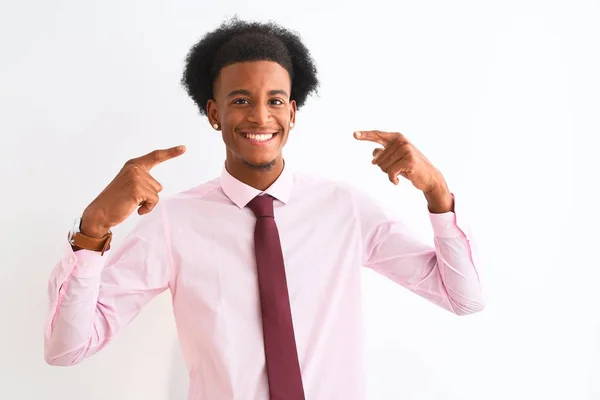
(247, 93)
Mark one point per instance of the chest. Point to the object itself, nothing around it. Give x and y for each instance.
(215, 265)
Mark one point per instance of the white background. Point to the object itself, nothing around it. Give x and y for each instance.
(503, 97)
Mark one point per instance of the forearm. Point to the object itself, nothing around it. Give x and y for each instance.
(443, 274)
(458, 274)
(75, 327)
(93, 297)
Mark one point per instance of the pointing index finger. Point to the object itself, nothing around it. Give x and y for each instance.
(383, 138)
(156, 157)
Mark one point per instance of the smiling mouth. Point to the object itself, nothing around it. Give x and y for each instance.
(258, 137)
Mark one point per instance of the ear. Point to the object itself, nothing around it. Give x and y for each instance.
(212, 113)
(293, 111)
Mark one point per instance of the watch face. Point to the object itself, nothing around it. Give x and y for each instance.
(74, 229)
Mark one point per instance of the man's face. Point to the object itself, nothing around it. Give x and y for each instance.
(253, 109)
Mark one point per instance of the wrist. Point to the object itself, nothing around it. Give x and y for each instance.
(439, 198)
(92, 227)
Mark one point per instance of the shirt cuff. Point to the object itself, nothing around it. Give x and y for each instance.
(447, 224)
(83, 263)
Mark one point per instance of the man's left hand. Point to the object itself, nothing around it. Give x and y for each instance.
(399, 157)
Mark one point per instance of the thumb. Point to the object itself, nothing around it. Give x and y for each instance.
(377, 151)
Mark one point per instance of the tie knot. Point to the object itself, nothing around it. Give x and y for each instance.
(262, 206)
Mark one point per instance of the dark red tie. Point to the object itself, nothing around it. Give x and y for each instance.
(283, 368)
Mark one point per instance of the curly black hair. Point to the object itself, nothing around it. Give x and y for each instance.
(238, 41)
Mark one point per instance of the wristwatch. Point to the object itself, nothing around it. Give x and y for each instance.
(80, 241)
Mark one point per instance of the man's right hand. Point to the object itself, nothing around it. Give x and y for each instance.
(133, 187)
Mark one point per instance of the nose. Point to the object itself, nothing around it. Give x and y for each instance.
(259, 114)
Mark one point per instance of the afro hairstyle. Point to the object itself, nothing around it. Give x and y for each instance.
(237, 41)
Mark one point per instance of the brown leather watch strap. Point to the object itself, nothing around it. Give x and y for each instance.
(82, 241)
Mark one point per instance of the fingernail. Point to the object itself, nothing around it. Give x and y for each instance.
(358, 134)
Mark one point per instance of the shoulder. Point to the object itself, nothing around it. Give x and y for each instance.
(197, 198)
(202, 192)
(340, 197)
(197, 192)
(340, 190)
(319, 184)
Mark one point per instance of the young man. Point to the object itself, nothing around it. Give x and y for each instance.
(263, 263)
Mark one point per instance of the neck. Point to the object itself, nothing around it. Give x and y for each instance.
(258, 178)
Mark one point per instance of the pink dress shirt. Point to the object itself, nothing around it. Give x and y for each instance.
(199, 245)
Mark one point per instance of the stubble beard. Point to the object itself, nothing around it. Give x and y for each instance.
(260, 167)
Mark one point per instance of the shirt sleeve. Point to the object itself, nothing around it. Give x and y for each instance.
(443, 272)
(92, 297)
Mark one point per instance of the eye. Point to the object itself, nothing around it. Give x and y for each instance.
(240, 101)
(277, 102)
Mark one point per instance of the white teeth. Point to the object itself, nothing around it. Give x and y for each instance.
(259, 138)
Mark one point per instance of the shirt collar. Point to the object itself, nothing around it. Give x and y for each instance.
(241, 194)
